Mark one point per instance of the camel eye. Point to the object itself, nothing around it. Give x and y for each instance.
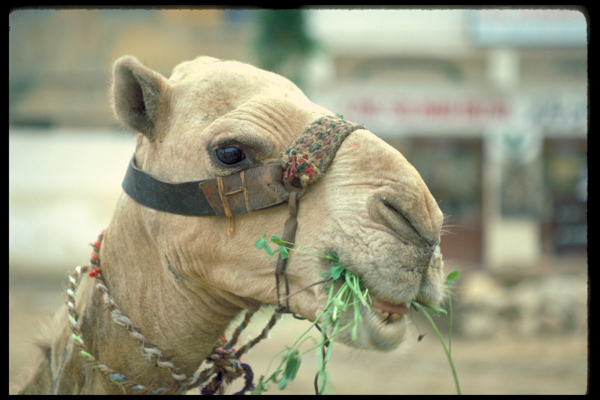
(230, 155)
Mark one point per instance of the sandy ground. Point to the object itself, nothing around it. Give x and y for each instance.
(502, 365)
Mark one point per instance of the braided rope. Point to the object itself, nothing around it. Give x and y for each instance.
(226, 364)
(311, 153)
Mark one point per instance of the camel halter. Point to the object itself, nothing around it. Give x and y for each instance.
(302, 164)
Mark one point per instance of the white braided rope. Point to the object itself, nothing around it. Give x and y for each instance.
(148, 352)
(222, 353)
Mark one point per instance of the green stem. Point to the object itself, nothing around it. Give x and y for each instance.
(419, 307)
(292, 246)
(450, 327)
(312, 252)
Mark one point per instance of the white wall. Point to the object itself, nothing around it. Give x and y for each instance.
(63, 186)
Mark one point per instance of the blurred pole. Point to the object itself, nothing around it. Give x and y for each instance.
(513, 179)
(512, 195)
(503, 69)
(282, 44)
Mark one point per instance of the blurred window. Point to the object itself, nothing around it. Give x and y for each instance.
(565, 169)
(565, 177)
(239, 16)
(452, 170)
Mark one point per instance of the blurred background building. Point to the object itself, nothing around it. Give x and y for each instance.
(489, 105)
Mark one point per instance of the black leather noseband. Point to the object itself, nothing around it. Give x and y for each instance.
(183, 198)
(246, 191)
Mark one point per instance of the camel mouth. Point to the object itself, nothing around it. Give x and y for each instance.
(386, 314)
(384, 325)
(385, 322)
(387, 311)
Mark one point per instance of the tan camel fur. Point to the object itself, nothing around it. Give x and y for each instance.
(182, 279)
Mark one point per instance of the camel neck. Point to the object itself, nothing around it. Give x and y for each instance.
(176, 321)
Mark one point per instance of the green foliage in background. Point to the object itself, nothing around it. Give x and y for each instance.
(283, 44)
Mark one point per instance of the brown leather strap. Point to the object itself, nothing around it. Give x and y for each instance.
(247, 191)
(289, 235)
(250, 190)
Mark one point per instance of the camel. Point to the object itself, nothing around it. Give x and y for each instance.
(181, 279)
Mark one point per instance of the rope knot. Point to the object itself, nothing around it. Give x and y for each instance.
(227, 368)
(226, 363)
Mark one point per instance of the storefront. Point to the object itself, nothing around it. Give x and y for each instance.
(503, 168)
(491, 108)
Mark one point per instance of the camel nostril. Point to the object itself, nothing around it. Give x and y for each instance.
(405, 218)
(397, 214)
(393, 217)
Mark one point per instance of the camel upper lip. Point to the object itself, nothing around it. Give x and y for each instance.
(391, 308)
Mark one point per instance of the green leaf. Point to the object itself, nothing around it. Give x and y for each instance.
(292, 364)
(335, 271)
(438, 310)
(283, 251)
(277, 240)
(348, 294)
(260, 386)
(275, 376)
(262, 244)
(282, 383)
(451, 277)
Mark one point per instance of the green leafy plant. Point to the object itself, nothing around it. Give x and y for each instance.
(437, 311)
(348, 295)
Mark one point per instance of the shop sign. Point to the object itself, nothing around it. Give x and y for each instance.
(527, 27)
(393, 112)
(435, 113)
(564, 113)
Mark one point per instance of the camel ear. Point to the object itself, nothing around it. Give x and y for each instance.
(140, 96)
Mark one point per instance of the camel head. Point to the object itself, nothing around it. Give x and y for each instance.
(216, 118)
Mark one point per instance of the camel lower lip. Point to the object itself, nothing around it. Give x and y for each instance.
(384, 330)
